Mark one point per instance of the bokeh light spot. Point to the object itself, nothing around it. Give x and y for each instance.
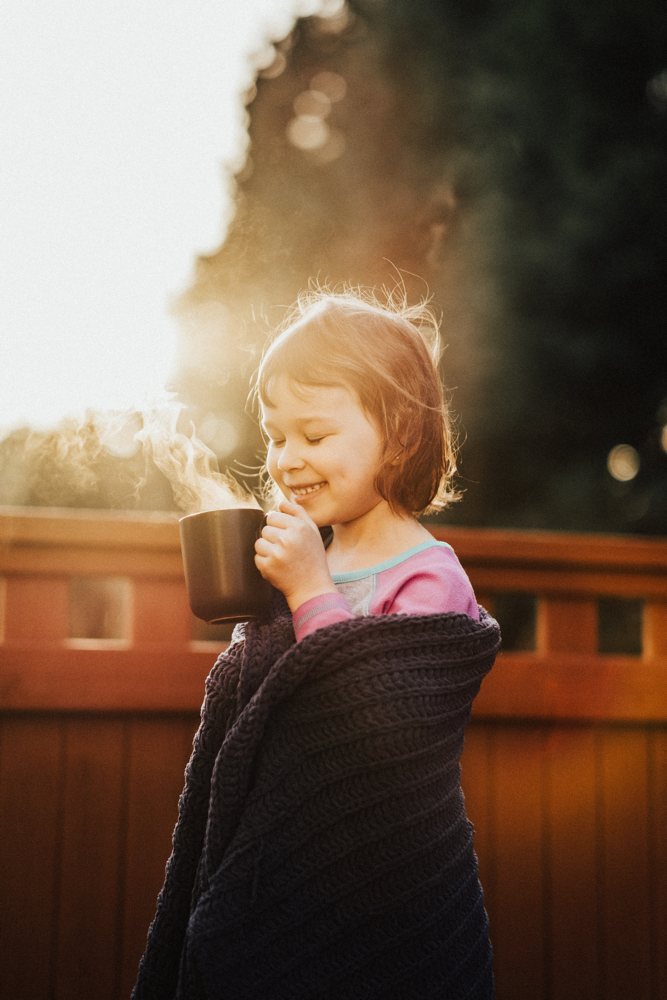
(276, 67)
(333, 16)
(656, 90)
(219, 434)
(312, 102)
(307, 132)
(331, 150)
(332, 84)
(623, 463)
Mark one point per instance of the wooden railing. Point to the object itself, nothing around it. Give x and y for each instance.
(565, 769)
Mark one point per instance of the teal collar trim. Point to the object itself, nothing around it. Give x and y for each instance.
(359, 574)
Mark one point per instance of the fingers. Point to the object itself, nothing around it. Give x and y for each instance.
(272, 550)
(263, 546)
(262, 561)
(278, 519)
(276, 527)
(295, 512)
(285, 516)
(274, 532)
(290, 554)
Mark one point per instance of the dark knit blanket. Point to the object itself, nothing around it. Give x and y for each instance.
(322, 848)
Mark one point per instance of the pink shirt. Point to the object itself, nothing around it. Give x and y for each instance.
(427, 579)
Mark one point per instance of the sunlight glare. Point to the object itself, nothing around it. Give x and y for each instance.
(123, 127)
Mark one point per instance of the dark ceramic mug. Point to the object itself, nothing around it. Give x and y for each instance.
(218, 548)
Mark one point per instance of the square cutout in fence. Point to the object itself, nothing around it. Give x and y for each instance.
(516, 613)
(100, 608)
(620, 625)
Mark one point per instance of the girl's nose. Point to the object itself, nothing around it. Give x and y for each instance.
(289, 458)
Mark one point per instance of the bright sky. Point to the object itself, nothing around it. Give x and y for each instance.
(118, 120)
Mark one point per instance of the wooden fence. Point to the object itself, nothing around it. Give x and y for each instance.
(565, 767)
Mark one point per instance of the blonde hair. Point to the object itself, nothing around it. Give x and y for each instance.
(387, 353)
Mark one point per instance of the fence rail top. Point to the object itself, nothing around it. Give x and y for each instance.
(81, 527)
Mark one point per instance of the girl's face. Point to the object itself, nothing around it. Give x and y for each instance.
(324, 452)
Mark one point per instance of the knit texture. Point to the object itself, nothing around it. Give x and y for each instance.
(322, 849)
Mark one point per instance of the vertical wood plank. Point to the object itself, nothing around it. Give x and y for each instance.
(87, 954)
(654, 630)
(476, 781)
(626, 887)
(658, 860)
(159, 751)
(3, 607)
(30, 790)
(519, 889)
(573, 838)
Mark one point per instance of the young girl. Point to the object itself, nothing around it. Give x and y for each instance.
(322, 850)
(359, 439)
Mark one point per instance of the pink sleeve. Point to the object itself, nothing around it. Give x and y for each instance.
(424, 594)
(325, 609)
(435, 583)
(430, 582)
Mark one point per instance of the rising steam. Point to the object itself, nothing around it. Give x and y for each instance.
(169, 440)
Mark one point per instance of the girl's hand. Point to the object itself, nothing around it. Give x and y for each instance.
(291, 556)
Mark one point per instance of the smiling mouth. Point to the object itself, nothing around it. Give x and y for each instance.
(300, 492)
